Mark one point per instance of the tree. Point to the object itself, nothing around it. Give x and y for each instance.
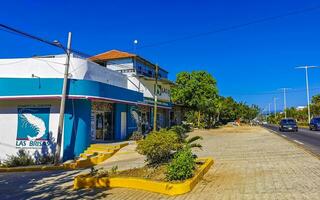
(315, 105)
(197, 90)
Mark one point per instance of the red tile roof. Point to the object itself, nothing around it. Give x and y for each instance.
(112, 54)
(115, 54)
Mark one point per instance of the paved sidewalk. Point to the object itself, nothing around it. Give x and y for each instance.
(250, 163)
(125, 158)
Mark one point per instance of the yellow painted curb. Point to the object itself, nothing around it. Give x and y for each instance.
(87, 162)
(33, 168)
(144, 184)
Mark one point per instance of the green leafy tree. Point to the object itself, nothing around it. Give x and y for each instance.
(197, 90)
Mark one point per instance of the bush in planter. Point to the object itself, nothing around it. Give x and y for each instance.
(180, 131)
(188, 127)
(45, 159)
(22, 158)
(182, 165)
(183, 137)
(136, 136)
(158, 146)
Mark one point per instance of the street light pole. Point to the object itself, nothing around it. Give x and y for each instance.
(308, 98)
(155, 100)
(63, 102)
(285, 101)
(269, 109)
(275, 106)
(307, 87)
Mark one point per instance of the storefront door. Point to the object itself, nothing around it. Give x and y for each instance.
(104, 128)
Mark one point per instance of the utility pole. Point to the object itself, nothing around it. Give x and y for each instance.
(285, 101)
(155, 100)
(275, 106)
(269, 109)
(63, 102)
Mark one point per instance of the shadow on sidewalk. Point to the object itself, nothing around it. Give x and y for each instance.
(44, 185)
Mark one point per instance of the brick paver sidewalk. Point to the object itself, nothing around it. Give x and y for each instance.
(250, 163)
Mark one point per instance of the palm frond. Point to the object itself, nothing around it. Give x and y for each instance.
(195, 145)
(192, 139)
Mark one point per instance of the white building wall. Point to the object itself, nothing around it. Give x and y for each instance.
(147, 88)
(120, 64)
(9, 121)
(42, 67)
(133, 82)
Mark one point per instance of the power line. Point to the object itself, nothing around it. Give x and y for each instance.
(9, 29)
(274, 92)
(233, 27)
(28, 35)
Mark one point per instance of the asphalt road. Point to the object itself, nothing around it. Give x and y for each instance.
(310, 140)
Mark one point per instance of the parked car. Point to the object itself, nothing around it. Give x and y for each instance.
(288, 124)
(314, 124)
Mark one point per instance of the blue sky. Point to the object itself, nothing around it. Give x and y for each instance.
(249, 63)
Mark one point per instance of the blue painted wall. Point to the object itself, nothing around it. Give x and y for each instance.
(117, 120)
(52, 86)
(131, 122)
(77, 127)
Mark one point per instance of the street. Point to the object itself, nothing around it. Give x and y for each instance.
(310, 140)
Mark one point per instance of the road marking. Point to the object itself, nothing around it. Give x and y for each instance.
(298, 142)
(283, 135)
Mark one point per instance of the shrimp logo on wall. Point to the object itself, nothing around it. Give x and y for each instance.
(33, 127)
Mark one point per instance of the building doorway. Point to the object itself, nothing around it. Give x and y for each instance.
(104, 125)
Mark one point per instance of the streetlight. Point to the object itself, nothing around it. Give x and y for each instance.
(275, 106)
(307, 87)
(63, 98)
(285, 101)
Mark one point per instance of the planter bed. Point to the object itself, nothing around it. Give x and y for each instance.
(140, 178)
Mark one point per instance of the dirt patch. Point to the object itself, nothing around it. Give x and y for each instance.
(147, 172)
(153, 173)
(230, 129)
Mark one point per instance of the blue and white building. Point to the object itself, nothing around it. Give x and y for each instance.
(100, 105)
(109, 96)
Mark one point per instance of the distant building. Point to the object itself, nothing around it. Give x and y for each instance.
(300, 107)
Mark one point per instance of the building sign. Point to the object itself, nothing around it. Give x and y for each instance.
(162, 90)
(159, 103)
(33, 127)
(102, 106)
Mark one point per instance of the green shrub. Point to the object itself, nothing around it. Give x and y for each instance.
(187, 127)
(136, 136)
(158, 146)
(45, 159)
(182, 165)
(191, 142)
(180, 131)
(22, 158)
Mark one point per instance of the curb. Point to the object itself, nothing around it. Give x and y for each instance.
(144, 184)
(91, 161)
(34, 168)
